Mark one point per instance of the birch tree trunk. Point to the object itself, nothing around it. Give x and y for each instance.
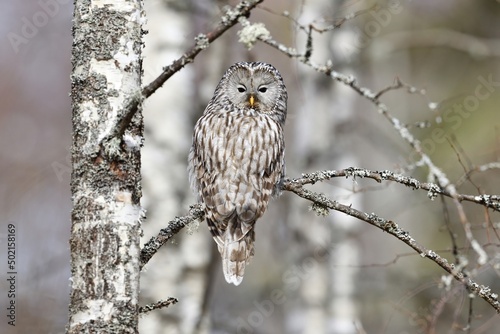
(105, 180)
(180, 268)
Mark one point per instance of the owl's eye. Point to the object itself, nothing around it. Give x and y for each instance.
(262, 89)
(242, 89)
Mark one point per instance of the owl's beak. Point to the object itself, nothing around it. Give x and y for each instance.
(251, 100)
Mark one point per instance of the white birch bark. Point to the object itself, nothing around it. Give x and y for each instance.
(106, 178)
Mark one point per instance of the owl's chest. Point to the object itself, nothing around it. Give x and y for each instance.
(239, 143)
(241, 130)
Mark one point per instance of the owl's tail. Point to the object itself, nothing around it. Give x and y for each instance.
(236, 254)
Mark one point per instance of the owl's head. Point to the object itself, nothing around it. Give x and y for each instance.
(254, 85)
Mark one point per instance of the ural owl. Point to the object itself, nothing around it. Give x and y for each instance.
(237, 160)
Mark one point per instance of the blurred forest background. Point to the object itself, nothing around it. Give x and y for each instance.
(310, 274)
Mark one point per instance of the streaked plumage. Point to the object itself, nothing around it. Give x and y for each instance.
(237, 160)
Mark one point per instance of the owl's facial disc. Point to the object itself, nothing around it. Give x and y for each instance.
(253, 90)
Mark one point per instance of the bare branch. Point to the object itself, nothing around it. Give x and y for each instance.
(478, 169)
(433, 190)
(337, 23)
(158, 305)
(321, 201)
(397, 84)
(489, 201)
(403, 130)
(453, 236)
(392, 228)
(173, 227)
(202, 41)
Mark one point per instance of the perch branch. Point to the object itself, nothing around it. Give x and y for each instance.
(392, 228)
(296, 186)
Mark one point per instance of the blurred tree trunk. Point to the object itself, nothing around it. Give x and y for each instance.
(329, 293)
(180, 268)
(105, 181)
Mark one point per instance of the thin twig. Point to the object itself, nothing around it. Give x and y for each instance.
(453, 237)
(478, 169)
(158, 305)
(459, 151)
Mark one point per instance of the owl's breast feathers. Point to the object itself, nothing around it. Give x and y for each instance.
(235, 163)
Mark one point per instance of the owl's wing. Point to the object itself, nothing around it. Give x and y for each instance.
(204, 169)
(275, 171)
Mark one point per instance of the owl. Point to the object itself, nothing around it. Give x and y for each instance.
(237, 160)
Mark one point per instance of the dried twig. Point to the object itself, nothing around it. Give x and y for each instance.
(158, 305)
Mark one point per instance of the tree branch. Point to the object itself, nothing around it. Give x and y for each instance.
(392, 228)
(174, 226)
(158, 305)
(489, 201)
(323, 204)
(202, 41)
(434, 171)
